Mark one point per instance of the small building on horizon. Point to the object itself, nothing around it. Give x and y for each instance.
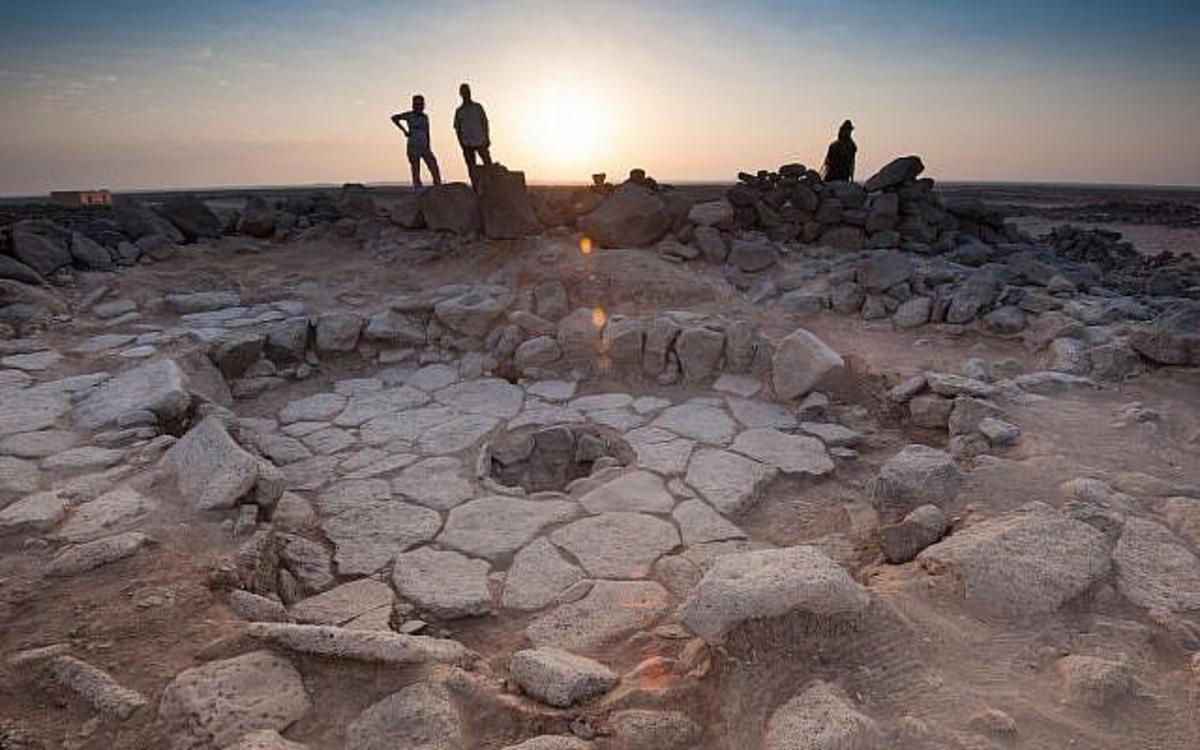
(75, 198)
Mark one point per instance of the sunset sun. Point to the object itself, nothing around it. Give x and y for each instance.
(568, 126)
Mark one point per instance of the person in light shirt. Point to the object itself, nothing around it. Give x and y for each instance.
(471, 125)
(417, 133)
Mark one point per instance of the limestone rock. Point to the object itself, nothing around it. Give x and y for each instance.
(642, 729)
(791, 454)
(699, 350)
(617, 545)
(419, 717)
(96, 686)
(537, 576)
(215, 704)
(915, 476)
(445, 584)
(1029, 561)
(90, 555)
(471, 314)
(801, 363)
(211, 470)
(728, 481)
(375, 646)
(558, 677)
(635, 491)
(698, 421)
(764, 584)
(1155, 569)
(368, 537)
(344, 603)
(895, 173)
(612, 610)
(494, 526)
(450, 207)
(504, 204)
(904, 540)
(160, 387)
(114, 510)
(821, 718)
(632, 216)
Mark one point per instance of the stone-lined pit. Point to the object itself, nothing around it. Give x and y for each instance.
(540, 459)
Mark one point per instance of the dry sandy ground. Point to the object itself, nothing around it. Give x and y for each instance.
(927, 656)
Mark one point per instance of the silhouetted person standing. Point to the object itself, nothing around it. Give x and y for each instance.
(418, 140)
(839, 160)
(471, 125)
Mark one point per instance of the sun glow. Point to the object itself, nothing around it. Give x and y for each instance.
(568, 126)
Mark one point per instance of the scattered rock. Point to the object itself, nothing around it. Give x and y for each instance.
(801, 363)
(765, 584)
(559, 677)
(821, 718)
(419, 717)
(915, 476)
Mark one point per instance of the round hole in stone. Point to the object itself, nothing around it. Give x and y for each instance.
(540, 459)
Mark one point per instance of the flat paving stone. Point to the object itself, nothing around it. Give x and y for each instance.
(102, 343)
(282, 449)
(357, 386)
(18, 476)
(329, 441)
(320, 407)
(739, 385)
(490, 397)
(553, 390)
(537, 576)
(342, 604)
(699, 523)
(660, 451)
(405, 426)
(542, 415)
(602, 402)
(384, 464)
(753, 413)
(701, 422)
(352, 493)
(32, 411)
(432, 378)
(791, 454)
(611, 611)
(729, 481)
(366, 406)
(621, 420)
(435, 483)
(635, 491)
(832, 435)
(33, 514)
(113, 511)
(617, 545)
(456, 435)
(368, 537)
(84, 458)
(443, 583)
(310, 473)
(33, 362)
(494, 526)
(649, 404)
(38, 444)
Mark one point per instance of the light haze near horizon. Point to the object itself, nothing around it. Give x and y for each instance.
(271, 93)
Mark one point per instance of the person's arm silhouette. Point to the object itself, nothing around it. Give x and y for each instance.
(487, 135)
(400, 118)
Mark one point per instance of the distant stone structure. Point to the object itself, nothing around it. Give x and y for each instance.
(81, 197)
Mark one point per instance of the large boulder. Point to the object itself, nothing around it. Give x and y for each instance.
(801, 363)
(915, 476)
(88, 253)
(214, 705)
(258, 218)
(11, 268)
(821, 718)
(884, 269)
(895, 173)
(211, 470)
(136, 220)
(1155, 569)
(772, 583)
(451, 207)
(41, 245)
(633, 216)
(752, 255)
(1030, 561)
(471, 314)
(504, 201)
(1173, 338)
(192, 217)
(718, 213)
(159, 386)
(422, 716)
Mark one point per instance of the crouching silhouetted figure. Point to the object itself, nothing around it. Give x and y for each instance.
(839, 160)
(417, 134)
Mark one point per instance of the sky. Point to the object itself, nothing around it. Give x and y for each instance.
(174, 94)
